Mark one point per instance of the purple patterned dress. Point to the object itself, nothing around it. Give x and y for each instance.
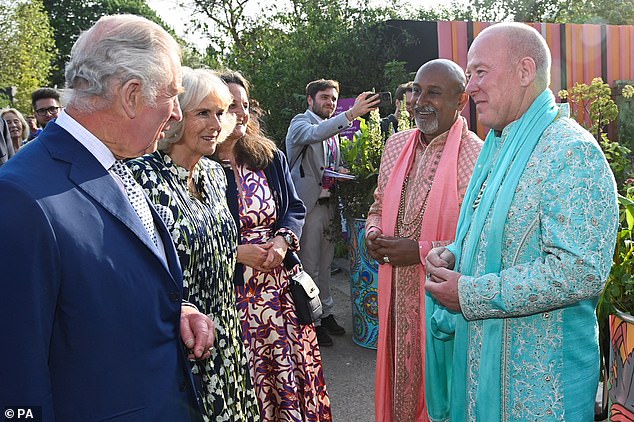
(284, 357)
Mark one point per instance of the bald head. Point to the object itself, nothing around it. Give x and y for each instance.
(521, 40)
(450, 70)
(439, 95)
(508, 66)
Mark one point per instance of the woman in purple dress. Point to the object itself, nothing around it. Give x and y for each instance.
(284, 357)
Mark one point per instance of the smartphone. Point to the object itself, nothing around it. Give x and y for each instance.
(384, 97)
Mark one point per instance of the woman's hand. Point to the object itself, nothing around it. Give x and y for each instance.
(276, 252)
(254, 256)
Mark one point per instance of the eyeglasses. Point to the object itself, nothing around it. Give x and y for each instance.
(50, 110)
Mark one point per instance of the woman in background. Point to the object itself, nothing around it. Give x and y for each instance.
(188, 191)
(284, 357)
(18, 129)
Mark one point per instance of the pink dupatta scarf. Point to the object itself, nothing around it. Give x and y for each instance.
(439, 223)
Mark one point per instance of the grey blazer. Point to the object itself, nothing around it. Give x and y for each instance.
(308, 171)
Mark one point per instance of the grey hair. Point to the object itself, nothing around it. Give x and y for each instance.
(198, 84)
(525, 41)
(25, 127)
(116, 50)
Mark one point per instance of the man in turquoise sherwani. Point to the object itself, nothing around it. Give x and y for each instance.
(518, 288)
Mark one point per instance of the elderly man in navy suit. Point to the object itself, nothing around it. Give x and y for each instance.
(92, 306)
(312, 144)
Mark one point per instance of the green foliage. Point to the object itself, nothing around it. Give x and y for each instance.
(516, 10)
(595, 101)
(27, 47)
(281, 50)
(618, 292)
(455, 11)
(396, 74)
(70, 17)
(618, 158)
(619, 289)
(626, 112)
(404, 121)
(362, 157)
(620, 12)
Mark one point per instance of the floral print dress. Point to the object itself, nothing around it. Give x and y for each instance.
(285, 360)
(203, 232)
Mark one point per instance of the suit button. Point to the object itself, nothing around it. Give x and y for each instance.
(319, 183)
(175, 297)
(321, 168)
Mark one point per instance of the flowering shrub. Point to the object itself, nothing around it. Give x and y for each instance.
(593, 107)
(362, 157)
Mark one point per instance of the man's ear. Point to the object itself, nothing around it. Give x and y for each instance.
(309, 99)
(131, 97)
(526, 70)
(462, 101)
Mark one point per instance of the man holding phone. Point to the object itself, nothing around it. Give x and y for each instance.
(312, 146)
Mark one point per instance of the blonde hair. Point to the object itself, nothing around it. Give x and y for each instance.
(198, 84)
(25, 127)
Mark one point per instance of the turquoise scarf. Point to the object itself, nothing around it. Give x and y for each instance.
(495, 200)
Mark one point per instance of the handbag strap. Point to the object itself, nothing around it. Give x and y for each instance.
(300, 156)
(291, 260)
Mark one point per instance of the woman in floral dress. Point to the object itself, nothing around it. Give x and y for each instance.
(188, 191)
(284, 357)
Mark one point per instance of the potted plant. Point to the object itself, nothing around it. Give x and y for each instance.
(362, 157)
(592, 105)
(615, 310)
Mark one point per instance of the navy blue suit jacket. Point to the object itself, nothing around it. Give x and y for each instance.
(90, 312)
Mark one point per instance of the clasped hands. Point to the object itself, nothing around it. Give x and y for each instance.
(198, 333)
(397, 251)
(442, 281)
(263, 257)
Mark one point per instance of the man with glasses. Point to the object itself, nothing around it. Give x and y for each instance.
(46, 106)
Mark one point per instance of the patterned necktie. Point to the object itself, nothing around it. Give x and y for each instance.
(136, 197)
(331, 152)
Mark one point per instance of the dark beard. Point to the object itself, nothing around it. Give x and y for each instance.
(321, 114)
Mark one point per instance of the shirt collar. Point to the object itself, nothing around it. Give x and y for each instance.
(97, 148)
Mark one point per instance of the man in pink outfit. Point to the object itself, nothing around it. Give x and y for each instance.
(424, 175)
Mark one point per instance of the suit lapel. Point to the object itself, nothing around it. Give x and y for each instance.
(90, 176)
(318, 149)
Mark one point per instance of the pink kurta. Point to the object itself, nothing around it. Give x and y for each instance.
(440, 173)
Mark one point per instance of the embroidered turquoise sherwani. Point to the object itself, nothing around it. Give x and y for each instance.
(526, 344)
